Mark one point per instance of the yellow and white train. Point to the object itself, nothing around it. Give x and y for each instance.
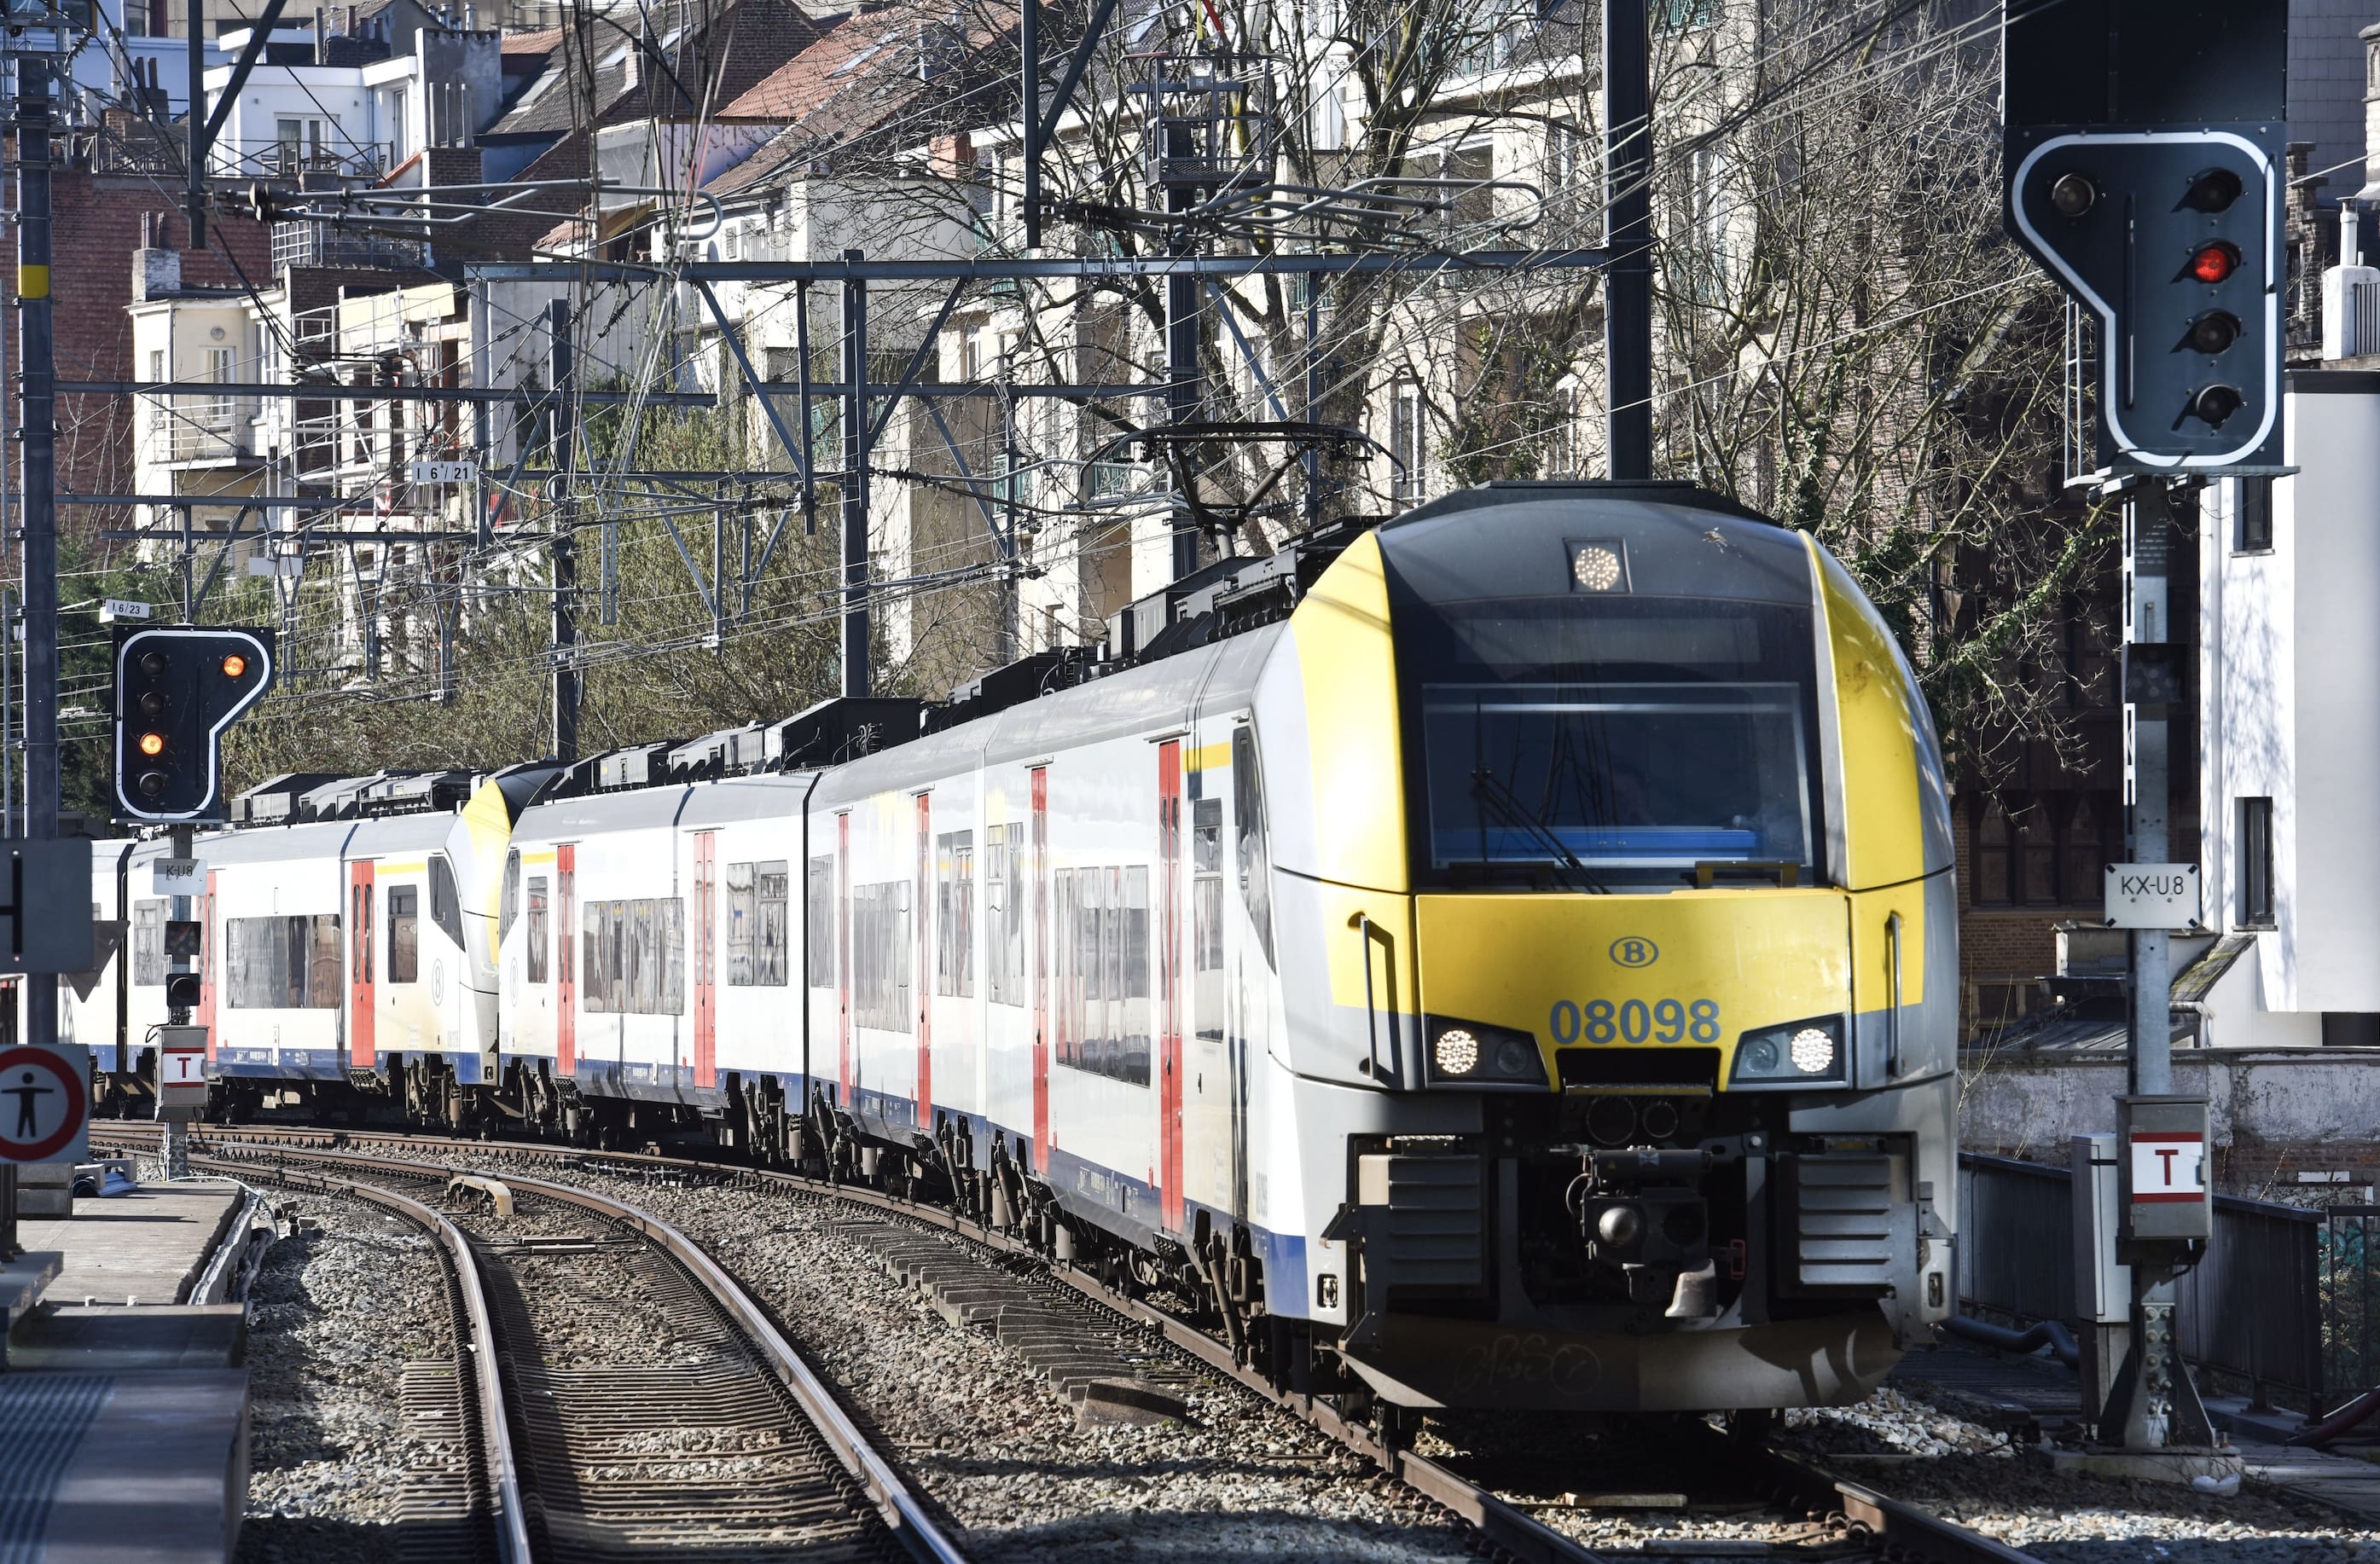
(1501, 957)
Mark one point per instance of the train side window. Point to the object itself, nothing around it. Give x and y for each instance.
(742, 927)
(1255, 860)
(955, 914)
(1207, 835)
(591, 987)
(817, 922)
(1207, 963)
(288, 962)
(508, 909)
(773, 891)
(1004, 913)
(537, 928)
(446, 905)
(404, 934)
(880, 955)
(149, 942)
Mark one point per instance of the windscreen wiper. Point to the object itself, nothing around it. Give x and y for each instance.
(1485, 784)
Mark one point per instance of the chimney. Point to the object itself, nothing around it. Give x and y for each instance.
(156, 271)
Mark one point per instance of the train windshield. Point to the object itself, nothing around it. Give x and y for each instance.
(1634, 743)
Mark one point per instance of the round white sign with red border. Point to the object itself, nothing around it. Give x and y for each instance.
(42, 1102)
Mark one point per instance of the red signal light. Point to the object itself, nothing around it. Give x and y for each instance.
(2213, 262)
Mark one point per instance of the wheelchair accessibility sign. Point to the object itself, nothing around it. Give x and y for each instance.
(45, 1104)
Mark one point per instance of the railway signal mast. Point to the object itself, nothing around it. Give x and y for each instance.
(2142, 171)
(177, 689)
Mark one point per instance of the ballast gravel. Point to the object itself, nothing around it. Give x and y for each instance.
(998, 1451)
(1000, 1454)
(335, 1314)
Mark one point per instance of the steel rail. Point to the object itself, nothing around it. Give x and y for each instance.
(899, 1506)
(1894, 1524)
(507, 1515)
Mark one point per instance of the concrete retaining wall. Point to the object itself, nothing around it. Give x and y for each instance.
(2276, 1115)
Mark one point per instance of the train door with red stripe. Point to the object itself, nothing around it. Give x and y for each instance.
(565, 959)
(1041, 970)
(206, 1015)
(921, 981)
(1169, 983)
(706, 959)
(363, 1037)
(843, 958)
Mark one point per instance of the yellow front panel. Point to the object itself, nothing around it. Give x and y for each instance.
(1689, 967)
(1883, 825)
(1355, 761)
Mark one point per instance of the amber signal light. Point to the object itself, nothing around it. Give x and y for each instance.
(153, 743)
(234, 666)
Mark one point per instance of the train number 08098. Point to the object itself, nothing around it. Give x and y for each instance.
(1634, 1021)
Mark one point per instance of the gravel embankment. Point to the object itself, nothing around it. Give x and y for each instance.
(1001, 1455)
(335, 1316)
(997, 1449)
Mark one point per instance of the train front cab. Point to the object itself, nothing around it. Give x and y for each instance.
(1628, 858)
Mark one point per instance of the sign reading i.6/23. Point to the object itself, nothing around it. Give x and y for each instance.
(45, 1104)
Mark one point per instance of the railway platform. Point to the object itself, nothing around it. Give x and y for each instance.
(2034, 1396)
(123, 1403)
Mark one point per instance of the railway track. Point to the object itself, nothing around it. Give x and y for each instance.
(640, 1399)
(1818, 1515)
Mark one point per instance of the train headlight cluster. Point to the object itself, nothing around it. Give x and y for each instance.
(1599, 565)
(1454, 1052)
(1799, 1053)
(1469, 1053)
(1813, 1050)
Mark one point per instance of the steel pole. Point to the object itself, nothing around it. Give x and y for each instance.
(37, 407)
(855, 483)
(561, 373)
(1627, 238)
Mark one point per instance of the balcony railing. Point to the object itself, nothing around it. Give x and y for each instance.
(213, 433)
(323, 244)
(293, 160)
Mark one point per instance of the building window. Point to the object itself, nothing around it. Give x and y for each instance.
(1562, 437)
(2037, 856)
(2254, 504)
(1405, 440)
(2256, 863)
(2084, 853)
(1992, 880)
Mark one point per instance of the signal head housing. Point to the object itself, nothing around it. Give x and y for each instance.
(177, 689)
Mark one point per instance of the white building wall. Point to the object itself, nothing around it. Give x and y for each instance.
(2289, 649)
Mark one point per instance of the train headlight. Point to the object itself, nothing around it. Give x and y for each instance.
(1599, 565)
(1813, 1050)
(1454, 1052)
(1470, 1053)
(1799, 1053)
